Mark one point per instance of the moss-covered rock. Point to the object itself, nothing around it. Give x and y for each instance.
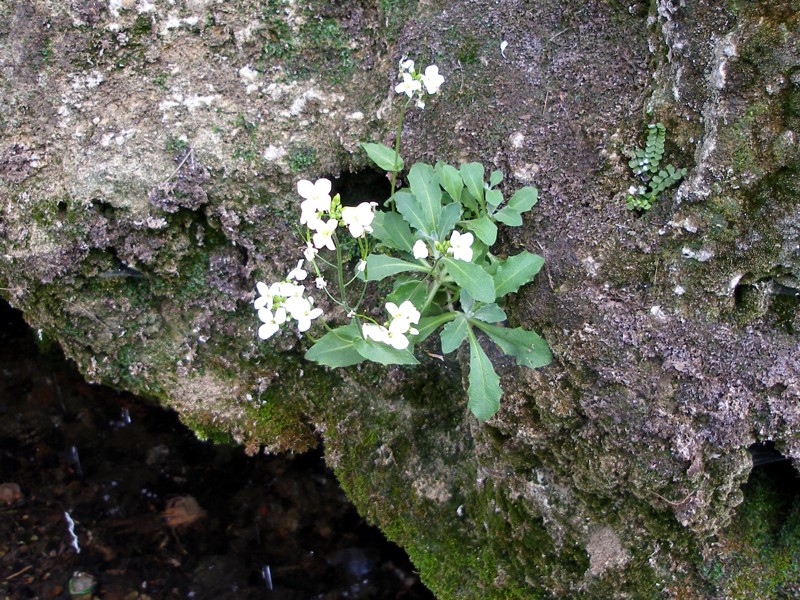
(148, 157)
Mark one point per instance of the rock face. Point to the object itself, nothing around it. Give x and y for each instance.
(148, 156)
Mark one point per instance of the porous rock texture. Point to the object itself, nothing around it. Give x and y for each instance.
(148, 156)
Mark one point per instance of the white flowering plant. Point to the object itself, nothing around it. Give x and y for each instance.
(434, 244)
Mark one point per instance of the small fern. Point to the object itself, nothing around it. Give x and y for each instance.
(645, 165)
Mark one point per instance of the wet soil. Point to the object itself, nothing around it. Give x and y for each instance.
(158, 513)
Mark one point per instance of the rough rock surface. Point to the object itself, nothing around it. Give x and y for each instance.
(148, 155)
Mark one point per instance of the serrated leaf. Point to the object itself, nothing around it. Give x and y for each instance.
(495, 178)
(336, 348)
(392, 230)
(412, 212)
(494, 198)
(424, 186)
(484, 385)
(515, 272)
(484, 228)
(383, 157)
(508, 216)
(451, 215)
(527, 348)
(453, 334)
(490, 313)
(450, 179)
(472, 175)
(383, 354)
(472, 278)
(524, 199)
(380, 266)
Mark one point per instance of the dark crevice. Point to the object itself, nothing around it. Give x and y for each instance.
(765, 453)
(362, 186)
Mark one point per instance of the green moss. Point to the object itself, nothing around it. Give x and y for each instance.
(468, 51)
(393, 14)
(326, 51)
(142, 26)
(760, 552)
(173, 145)
(208, 432)
(301, 158)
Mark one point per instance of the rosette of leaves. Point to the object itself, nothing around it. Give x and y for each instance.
(646, 165)
(461, 299)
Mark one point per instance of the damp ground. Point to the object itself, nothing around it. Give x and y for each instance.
(157, 513)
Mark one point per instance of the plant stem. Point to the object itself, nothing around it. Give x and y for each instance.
(431, 293)
(340, 273)
(397, 150)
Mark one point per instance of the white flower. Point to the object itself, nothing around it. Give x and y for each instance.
(432, 80)
(420, 249)
(359, 218)
(407, 65)
(403, 317)
(301, 311)
(287, 289)
(320, 283)
(633, 189)
(361, 266)
(310, 214)
(317, 200)
(409, 86)
(460, 246)
(322, 237)
(406, 310)
(420, 103)
(319, 191)
(310, 253)
(503, 46)
(266, 296)
(272, 322)
(267, 330)
(298, 273)
(397, 340)
(374, 332)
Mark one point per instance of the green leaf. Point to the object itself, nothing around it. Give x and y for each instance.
(451, 214)
(383, 157)
(490, 313)
(466, 301)
(516, 271)
(336, 348)
(425, 187)
(509, 216)
(453, 334)
(380, 266)
(392, 230)
(495, 178)
(494, 198)
(528, 348)
(524, 199)
(408, 206)
(484, 385)
(471, 277)
(472, 175)
(383, 354)
(451, 180)
(484, 228)
(413, 290)
(427, 325)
